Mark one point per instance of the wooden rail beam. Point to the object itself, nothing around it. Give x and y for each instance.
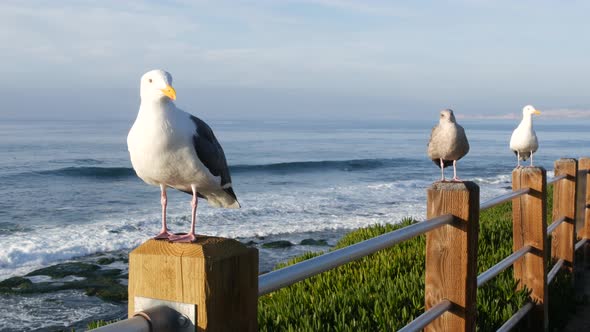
(529, 213)
(451, 255)
(563, 240)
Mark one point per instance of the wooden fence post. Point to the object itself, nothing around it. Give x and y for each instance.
(451, 255)
(563, 240)
(217, 276)
(584, 168)
(529, 215)
(584, 207)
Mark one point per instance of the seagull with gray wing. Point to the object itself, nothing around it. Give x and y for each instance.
(524, 139)
(448, 143)
(171, 148)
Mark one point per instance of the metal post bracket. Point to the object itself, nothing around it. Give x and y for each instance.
(186, 320)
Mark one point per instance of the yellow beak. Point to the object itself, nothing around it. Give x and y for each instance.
(169, 92)
(537, 112)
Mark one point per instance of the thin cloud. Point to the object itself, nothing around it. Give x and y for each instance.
(567, 113)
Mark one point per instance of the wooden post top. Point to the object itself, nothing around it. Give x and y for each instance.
(531, 177)
(566, 160)
(210, 247)
(454, 186)
(529, 169)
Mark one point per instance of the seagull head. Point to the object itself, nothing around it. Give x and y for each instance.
(447, 115)
(530, 110)
(157, 84)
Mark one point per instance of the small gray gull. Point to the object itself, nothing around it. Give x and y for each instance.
(524, 139)
(172, 148)
(448, 143)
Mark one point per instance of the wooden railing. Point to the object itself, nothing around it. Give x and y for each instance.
(192, 273)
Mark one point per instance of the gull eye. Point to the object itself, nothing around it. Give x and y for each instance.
(150, 80)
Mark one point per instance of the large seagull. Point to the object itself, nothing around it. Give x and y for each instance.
(172, 148)
(448, 143)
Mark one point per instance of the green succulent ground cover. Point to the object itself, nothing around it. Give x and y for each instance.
(385, 291)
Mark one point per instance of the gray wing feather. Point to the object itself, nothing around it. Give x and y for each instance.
(433, 144)
(462, 142)
(431, 135)
(211, 153)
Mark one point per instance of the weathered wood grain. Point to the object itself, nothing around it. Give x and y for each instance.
(219, 275)
(564, 205)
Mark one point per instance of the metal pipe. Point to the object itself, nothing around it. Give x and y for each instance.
(134, 324)
(580, 243)
(286, 276)
(557, 178)
(554, 271)
(159, 318)
(503, 198)
(554, 225)
(510, 323)
(502, 265)
(427, 317)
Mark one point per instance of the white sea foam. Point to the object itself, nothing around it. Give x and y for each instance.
(22, 254)
(499, 179)
(25, 313)
(42, 278)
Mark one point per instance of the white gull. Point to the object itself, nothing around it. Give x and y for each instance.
(172, 148)
(524, 139)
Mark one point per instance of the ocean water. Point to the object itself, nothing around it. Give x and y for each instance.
(68, 191)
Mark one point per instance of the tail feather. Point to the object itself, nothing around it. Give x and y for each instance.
(219, 198)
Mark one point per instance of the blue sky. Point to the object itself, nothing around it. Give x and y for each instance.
(296, 58)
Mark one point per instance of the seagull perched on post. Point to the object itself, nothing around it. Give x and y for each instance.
(448, 143)
(524, 139)
(172, 148)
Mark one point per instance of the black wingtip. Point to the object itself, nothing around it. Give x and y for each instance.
(230, 191)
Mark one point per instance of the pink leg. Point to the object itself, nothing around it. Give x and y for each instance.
(190, 237)
(455, 177)
(531, 158)
(442, 170)
(164, 234)
(517, 159)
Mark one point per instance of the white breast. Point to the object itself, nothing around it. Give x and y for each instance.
(524, 139)
(161, 149)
